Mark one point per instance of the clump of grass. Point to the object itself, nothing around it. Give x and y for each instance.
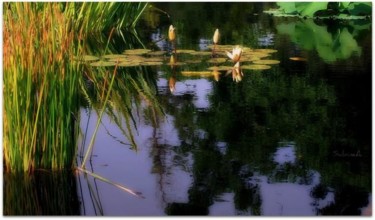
(89, 17)
(41, 81)
(40, 88)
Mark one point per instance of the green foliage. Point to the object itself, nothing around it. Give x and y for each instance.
(324, 9)
(40, 93)
(310, 8)
(89, 17)
(359, 8)
(330, 45)
(41, 80)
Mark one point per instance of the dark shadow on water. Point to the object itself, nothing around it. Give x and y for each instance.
(41, 193)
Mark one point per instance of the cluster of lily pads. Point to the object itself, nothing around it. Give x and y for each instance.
(216, 57)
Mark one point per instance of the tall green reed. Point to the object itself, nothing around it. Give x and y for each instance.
(40, 92)
(89, 17)
(41, 81)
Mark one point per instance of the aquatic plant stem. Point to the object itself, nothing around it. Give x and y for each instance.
(110, 182)
(83, 165)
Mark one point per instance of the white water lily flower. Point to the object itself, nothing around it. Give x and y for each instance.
(236, 54)
(216, 36)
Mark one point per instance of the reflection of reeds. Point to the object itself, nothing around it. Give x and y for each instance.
(42, 193)
(39, 88)
(132, 92)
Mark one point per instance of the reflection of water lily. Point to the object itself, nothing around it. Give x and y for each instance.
(216, 36)
(171, 33)
(236, 54)
(172, 84)
(172, 60)
(216, 74)
(236, 72)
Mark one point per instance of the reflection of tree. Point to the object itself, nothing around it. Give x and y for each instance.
(252, 117)
(238, 23)
(348, 201)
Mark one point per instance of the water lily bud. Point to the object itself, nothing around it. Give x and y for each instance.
(216, 36)
(171, 33)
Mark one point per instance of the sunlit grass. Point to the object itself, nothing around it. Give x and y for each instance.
(40, 93)
(41, 89)
(89, 17)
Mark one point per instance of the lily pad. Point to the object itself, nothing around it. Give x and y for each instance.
(220, 68)
(89, 58)
(156, 53)
(266, 62)
(297, 59)
(266, 50)
(185, 51)
(196, 73)
(153, 59)
(255, 67)
(198, 53)
(137, 51)
(113, 56)
(136, 58)
(256, 54)
(118, 60)
(176, 64)
(151, 63)
(249, 58)
(217, 60)
(129, 64)
(193, 61)
(222, 47)
(103, 63)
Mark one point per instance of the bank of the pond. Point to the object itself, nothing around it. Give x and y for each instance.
(41, 83)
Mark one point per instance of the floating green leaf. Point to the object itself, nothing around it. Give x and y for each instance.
(113, 56)
(151, 63)
(196, 73)
(89, 58)
(103, 63)
(186, 51)
(220, 68)
(217, 60)
(255, 67)
(129, 64)
(266, 50)
(266, 62)
(156, 53)
(137, 51)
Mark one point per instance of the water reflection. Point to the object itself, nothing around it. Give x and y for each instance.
(264, 146)
(41, 193)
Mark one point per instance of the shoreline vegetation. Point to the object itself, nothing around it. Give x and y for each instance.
(41, 83)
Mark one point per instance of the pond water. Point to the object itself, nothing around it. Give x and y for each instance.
(293, 139)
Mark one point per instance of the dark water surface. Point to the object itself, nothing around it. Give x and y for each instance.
(292, 140)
